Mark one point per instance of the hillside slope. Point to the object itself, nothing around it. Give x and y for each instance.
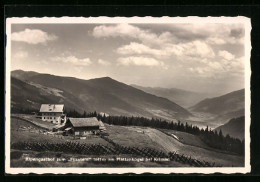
(101, 94)
(224, 104)
(235, 128)
(30, 96)
(182, 97)
(224, 107)
(23, 75)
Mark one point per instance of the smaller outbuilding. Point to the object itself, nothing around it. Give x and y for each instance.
(82, 126)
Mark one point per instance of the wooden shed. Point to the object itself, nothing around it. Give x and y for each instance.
(83, 126)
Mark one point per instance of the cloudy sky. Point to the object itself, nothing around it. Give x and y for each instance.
(197, 57)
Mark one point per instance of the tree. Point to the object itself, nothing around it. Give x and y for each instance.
(220, 134)
(84, 114)
(207, 129)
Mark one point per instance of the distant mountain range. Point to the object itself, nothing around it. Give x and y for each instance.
(31, 89)
(224, 107)
(182, 97)
(235, 128)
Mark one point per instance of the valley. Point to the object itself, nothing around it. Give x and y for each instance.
(138, 123)
(130, 137)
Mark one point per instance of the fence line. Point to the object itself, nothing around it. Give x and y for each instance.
(99, 149)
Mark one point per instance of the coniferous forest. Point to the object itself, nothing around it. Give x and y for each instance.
(212, 138)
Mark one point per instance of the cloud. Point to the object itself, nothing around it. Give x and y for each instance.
(192, 49)
(213, 33)
(216, 40)
(130, 31)
(226, 55)
(225, 40)
(215, 65)
(237, 33)
(78, 68)
(73, 60)
(181, 40)
(207, 71)
(33, 36)
(21, 55)
(140, 61)
(193, 44)
(116, 30)
(104, 63)
(220, 68)
(137, 48)
(238, 65)
(203, 71)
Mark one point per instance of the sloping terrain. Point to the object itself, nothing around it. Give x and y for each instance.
(231, 102)
(186, 138)
(220, 109)
(34, 121)
(140, 137)
(235, 128)
(167, 143)
(170, 144)
(24, 95)
(25, 131)
(131, 136)
(101, 95)
(23, 75)
(182, 97)
(28, 96)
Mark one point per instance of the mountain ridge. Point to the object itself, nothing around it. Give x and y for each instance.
(210, 105)
(234, 128)
(103, 95)
(222, 108)
(182, 97)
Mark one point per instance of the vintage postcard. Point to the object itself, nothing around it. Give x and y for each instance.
(127, 95)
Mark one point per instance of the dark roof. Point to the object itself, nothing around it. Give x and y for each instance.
(84, 122)
(101, 125)
(52, 108)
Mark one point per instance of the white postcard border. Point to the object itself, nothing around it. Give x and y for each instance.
(106, 20)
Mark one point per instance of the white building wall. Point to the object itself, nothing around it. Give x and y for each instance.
(52, 117)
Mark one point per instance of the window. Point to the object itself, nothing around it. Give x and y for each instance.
(43, 117)
(54, 118)
(50, 117)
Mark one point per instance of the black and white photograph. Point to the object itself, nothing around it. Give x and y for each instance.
(120, 95)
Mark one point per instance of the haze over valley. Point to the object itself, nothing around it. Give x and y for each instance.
(109, 96)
